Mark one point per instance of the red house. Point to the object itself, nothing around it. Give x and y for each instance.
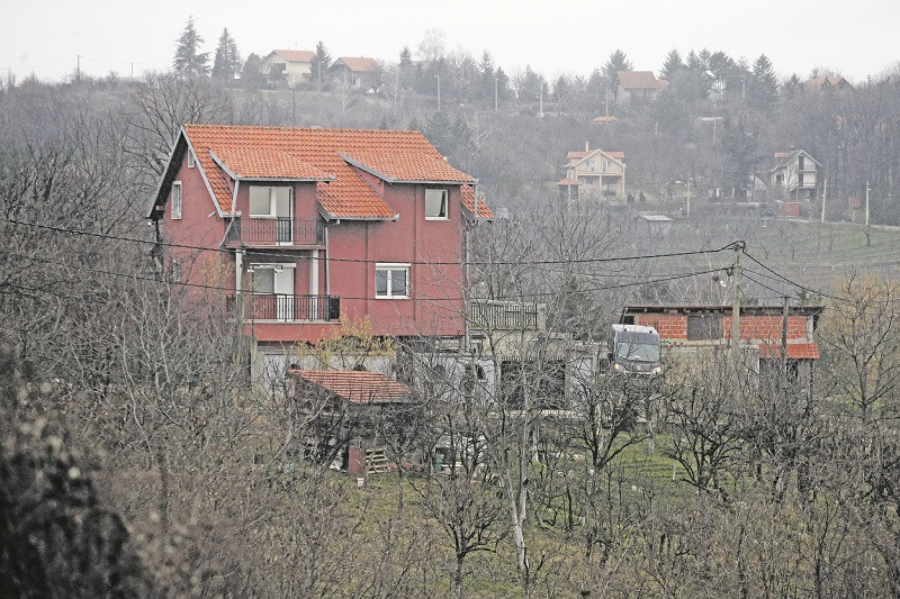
(305, 226)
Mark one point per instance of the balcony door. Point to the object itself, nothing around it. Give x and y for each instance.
(273, 291)
(273, 206)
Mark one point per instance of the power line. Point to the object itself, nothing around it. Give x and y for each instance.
(365, 261)
(520, 296)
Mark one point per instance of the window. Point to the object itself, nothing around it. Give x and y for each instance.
(270, 202)
(436, 204)
(175, 199)
(190, 158)
(704, 327)
(392, 280)
(591, 165)
(263, 279)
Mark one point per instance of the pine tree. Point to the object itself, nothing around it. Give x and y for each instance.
(321, 63)
(672, 65)
(617, 62)
(763, 88)
(187, 60)
(227, 63)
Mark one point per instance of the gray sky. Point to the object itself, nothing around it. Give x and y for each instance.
(858, 39)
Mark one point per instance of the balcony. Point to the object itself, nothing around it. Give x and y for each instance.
(276, 232)
(497, 315)
(292, 308)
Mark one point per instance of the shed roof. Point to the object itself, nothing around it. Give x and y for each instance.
(361, 387)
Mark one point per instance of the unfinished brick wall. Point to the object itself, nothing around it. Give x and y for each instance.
(674, 327)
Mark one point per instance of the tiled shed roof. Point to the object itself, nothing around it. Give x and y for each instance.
(361, 387)
(795, 351)
(482, 210)
(640, 80)
(321, 154)
(295, 55)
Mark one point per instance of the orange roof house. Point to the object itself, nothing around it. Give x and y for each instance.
(593, 173)
(291, 67)
(355, 71)
(309, 226)
(637, 88)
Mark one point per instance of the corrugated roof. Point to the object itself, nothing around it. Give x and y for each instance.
(400, 155)
(362, 387)
(359, 64)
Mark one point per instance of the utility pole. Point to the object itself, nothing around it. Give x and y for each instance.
(496, 94)
(689, 197)
(541, 99)
(78, 71)
(736, 299)
(824, 195)
(784, 333)
(868, 231)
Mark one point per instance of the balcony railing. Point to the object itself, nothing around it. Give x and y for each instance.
(292, 308)
(504, 315)
(276, 231)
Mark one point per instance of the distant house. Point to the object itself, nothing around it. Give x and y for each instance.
(795, 175)
(288, 66)
(355, 72)
(821, 83)
(595, 173)
(637, 88)
(695, 332)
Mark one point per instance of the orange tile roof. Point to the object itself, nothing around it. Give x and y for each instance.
(616, 155)
(359, 64)
(640, 80)
(256, 163)
(604, 119)
(468, 202)
(362, 387)
(796, 351)
(569, 182)
(295, 55)
(578, 154)
(407, 164)
(404, 154)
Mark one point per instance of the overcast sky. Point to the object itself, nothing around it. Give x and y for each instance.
(858, 39)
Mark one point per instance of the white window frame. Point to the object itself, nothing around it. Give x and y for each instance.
(445, 201)
(390, 268)
(176, 199)
(190, 159)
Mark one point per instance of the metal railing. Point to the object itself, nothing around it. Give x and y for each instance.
(504, 315)
(276, 231)
(292, 308)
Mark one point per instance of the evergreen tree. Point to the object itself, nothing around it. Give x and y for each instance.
(320, 64)
(672, 65)
(487, 78)
(227, 62)
(617, 62)
(188, 61)
(406, 68)
(251, 73)
(763, 88)
(502, 84)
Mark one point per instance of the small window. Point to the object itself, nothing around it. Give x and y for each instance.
(436, 204)
(175, 272)
(190, 158)
(175, 199)
(392, 280)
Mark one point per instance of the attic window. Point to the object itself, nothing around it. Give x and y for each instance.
(175, 200)
(190, 159)
(436, 204)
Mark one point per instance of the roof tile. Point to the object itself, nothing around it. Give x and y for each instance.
(401, 155)
(362, 387)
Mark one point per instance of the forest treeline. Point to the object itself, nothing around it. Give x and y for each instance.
(135, 461)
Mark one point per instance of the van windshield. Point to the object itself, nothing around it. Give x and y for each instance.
(637, 352)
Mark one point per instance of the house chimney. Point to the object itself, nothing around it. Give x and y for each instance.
(587, 146)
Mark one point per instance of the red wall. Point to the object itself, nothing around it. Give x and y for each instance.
(673, 327)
